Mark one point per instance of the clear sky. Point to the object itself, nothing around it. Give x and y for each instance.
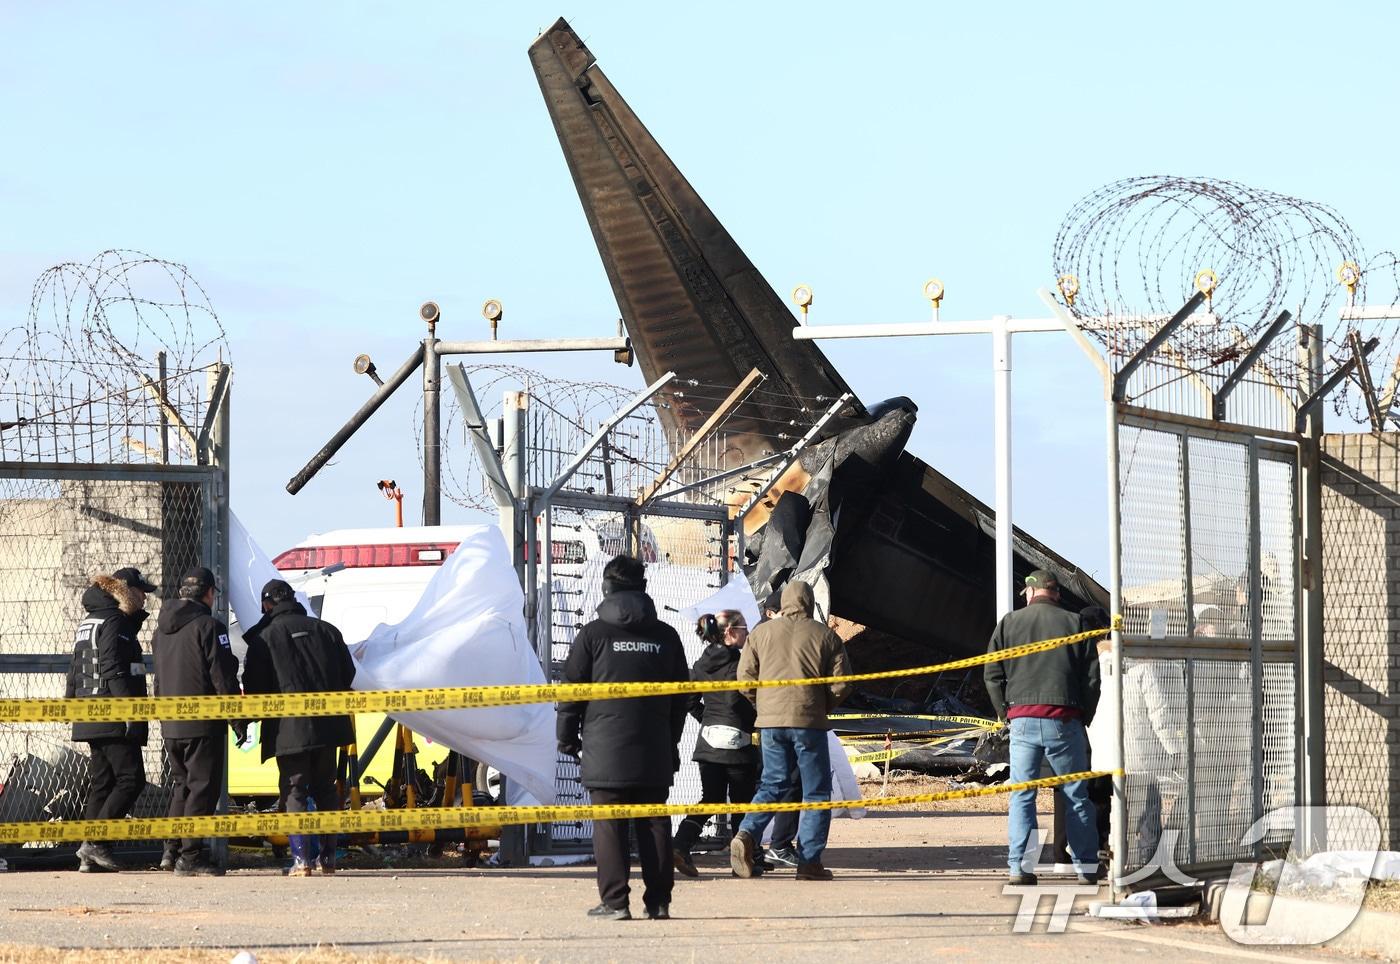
(324, 168)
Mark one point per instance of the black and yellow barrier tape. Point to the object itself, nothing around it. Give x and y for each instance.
(441, 818)
(131, 709)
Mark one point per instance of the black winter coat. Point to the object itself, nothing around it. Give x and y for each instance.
(291, 652)
(107, 659)
(721, 662)
(193, 658)
(1067, 676)
(630, 742)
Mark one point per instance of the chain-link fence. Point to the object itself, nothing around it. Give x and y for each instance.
(59, 527)
(1209, 539)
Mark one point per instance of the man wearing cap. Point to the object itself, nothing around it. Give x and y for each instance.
(107, 661)
(193, 658)
(295, 653)
(1046, 699)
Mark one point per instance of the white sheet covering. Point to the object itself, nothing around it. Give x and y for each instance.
(466, 630)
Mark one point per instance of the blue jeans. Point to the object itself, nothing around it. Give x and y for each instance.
(785, 749)
(1064, 745)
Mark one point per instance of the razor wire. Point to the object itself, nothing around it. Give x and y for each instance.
(79, 378)
(564, 413)
(1135, 247)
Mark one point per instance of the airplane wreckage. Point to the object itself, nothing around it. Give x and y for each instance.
(904, 551)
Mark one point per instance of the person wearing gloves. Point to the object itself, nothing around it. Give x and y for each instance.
(628, 748)
(725, 749)
(292, 652)
(107, 661)
(193, 658)
(794, 723)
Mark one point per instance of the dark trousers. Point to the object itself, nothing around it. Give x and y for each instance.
(310, 775)
(1101, 793)
(719, 783)
(197, 774)
(612, 855)
(117, 777)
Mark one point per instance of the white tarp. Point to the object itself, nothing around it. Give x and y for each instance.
(249, 570)
(466, 630)
(735, 594)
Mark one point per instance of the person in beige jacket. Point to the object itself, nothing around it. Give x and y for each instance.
(794, 725)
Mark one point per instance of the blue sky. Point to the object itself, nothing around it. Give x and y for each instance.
(324, 168)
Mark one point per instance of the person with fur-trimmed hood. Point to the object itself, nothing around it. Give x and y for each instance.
(107, 661)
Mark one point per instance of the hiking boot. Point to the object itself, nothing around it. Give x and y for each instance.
(1022, 880)
(197, 867)
(604, 912)
(660, 912)
(813, 871)
(327, 868)
(684, 864)
(96, 858)
(741, 854)
(787, 856)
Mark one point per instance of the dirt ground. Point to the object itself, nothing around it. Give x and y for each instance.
(917, 883)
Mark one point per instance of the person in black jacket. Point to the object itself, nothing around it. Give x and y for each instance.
(107, 661)
(728, 758)
(628, 748)
(193, 658)
(292, 652)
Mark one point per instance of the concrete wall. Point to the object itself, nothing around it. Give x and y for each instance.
(1361, 585)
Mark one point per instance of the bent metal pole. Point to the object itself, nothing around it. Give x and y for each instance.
(327, 452)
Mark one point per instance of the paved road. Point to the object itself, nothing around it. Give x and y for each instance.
(910, 886)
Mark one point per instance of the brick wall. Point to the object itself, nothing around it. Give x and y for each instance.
(1361, 613)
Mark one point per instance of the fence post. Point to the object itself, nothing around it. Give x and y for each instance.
(1312, 784)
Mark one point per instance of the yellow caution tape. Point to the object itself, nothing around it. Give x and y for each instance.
(118, 709)
(443, 818)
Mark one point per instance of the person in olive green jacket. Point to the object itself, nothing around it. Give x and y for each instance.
(794, 724)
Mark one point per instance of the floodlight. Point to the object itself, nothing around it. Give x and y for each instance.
(1069, 288)
(1206, 282)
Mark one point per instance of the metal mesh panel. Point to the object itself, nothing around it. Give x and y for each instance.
(685, 558)
(1155, 736)
(1223, 770)
(1280, 728)
(1152, 510)
(1220, 530)
(1277, 560)
(54, 536)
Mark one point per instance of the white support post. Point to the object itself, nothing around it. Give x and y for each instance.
(1001, 365)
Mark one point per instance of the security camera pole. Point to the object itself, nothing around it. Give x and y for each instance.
(429, 354)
